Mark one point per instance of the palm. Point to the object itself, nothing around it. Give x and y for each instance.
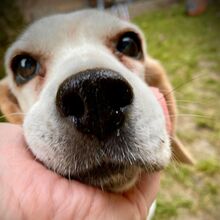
(32, 192)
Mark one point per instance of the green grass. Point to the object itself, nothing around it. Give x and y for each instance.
(210, 167)
(189, 49)
(168, 209)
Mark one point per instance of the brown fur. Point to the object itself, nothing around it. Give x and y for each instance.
(9, 105)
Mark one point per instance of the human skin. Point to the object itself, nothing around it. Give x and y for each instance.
(28, 190)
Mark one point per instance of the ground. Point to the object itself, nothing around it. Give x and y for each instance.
(189, 48)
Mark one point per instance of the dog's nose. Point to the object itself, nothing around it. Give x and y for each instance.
(95, 100)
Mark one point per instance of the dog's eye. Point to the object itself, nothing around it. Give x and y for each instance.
(24, 67)
(129, 44)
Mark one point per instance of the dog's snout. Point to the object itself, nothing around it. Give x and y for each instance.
(96, 100)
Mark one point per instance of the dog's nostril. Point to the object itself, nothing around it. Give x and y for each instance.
(117, 93)
(72, 105)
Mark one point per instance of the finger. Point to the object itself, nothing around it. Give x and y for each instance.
(144, 194)
(149, 186)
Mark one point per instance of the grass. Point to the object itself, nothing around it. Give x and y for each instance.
(165, 211)
(189, 48)
(210, 167)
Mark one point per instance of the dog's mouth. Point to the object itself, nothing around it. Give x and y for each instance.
(109, 176)
(113, 176)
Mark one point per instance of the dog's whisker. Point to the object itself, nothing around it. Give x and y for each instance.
(133, 157)
(178, 105)
(173, 155)
(142, 159)
(102, 187)
(193, 115)
(184, 83)
(127, 147)
(175, 161)
(187, 101)
(69, 173)
(183, 108)
(98, 162)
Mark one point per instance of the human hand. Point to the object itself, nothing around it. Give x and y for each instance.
(30, 191)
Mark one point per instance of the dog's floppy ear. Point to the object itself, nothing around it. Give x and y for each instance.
(156, 76)
(8, 104)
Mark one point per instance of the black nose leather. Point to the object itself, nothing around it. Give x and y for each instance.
(95, 100)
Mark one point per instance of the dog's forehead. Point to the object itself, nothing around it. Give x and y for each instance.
(53, 31)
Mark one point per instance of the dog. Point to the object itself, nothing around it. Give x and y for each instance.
(80, 84)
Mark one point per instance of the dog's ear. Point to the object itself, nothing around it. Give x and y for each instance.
(8, 104)
(155, 76)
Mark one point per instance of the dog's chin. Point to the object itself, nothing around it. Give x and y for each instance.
(109, 177)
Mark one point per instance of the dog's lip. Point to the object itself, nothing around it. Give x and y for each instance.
(103, 170)
(108, 176)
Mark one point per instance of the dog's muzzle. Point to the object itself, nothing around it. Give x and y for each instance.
(95, 100)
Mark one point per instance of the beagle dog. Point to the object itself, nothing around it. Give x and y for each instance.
(81, 86)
